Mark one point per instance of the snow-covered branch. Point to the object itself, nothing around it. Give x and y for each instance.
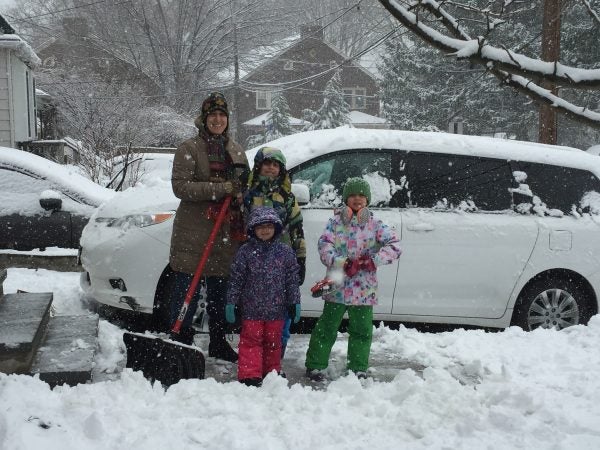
(517, 70)
(592, 13)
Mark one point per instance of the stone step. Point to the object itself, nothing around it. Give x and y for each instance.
(67, 355)
(23, 321)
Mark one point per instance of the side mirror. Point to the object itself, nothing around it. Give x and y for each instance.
(50, 200)
(301, 193)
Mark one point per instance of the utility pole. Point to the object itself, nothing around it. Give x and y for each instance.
(548, 126)
(234, 109)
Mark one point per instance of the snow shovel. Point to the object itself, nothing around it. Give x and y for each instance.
(166, 360)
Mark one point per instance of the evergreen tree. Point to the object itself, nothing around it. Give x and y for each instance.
(278, 119)
(422, 90)
(277, 123)
(334, 111)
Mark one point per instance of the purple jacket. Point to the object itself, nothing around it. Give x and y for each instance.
(264, 275)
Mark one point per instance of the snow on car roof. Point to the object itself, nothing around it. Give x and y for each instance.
(65, 178)
(299, 148)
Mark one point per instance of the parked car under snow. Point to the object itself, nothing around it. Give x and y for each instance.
(42, 203)
(494, 232)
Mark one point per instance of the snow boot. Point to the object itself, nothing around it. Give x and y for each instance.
(315, 375)
(222, 350)
(252, 381)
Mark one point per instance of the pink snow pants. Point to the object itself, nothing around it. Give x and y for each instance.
(260, 348)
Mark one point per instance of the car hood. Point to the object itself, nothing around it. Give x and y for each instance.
(140, 199)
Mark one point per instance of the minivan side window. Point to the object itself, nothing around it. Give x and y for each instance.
(325, 176)
(558, 187)
(445, 181)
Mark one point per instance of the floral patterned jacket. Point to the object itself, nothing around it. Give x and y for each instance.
(342, 240)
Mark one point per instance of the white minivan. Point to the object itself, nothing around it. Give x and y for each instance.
(494, 232)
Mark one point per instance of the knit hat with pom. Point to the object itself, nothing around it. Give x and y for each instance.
(214, 102)
(356, 186)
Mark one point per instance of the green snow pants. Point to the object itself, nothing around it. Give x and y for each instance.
(360, 330)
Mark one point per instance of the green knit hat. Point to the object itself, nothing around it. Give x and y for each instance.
(355, 186)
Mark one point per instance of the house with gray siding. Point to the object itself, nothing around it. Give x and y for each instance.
(17, 88)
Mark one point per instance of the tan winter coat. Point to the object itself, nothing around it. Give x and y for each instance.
(190, 181)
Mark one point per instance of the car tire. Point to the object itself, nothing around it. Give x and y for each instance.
(556, 302)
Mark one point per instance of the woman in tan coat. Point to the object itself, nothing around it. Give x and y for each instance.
(205, 170)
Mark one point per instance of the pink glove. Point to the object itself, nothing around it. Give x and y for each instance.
(366, 263)
(351, 267)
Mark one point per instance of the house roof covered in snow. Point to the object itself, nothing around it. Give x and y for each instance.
(258, 121)
(359, 117)
(11, 41)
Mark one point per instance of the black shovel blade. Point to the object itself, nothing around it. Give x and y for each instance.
(165, 361)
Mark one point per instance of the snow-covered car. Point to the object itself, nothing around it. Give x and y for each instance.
(494, 232)
(42, 203)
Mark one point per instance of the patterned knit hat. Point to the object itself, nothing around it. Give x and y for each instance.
(356, 186)
(263, 214)
(214, 102)
(272, 153)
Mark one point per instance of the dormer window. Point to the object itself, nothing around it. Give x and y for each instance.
(288, 65)
(333, 64)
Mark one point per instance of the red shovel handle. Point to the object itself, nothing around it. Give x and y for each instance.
(198, 273)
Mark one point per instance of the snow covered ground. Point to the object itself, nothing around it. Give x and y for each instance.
(523, 390)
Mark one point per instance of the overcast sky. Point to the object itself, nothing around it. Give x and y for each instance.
(6, 3)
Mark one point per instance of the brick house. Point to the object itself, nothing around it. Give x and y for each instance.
(310, 60)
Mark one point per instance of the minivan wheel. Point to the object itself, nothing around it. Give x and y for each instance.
(551, 303)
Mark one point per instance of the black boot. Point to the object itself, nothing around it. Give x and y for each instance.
(252, 382)
(222, 350)
(218, 347)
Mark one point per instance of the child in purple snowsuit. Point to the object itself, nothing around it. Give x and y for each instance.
(264, 284)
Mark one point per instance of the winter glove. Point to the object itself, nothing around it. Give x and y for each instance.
(366, 263)
(228, 187)
(302, 271)
(351, 267)
(230, 313)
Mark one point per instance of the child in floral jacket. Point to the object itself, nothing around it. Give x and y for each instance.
(264, 284)
(352, 246)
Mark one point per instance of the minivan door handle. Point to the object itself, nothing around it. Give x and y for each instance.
(420, 227)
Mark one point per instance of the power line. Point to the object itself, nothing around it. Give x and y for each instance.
(345, 11)
(23, 19)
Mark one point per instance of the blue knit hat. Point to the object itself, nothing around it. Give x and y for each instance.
(261, 215)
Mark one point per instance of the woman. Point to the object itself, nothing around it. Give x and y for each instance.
(206, 169)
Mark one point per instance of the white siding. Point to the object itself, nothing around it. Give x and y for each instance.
(5, 127)
(23, 100)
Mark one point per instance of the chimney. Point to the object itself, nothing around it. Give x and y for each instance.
(311, 31)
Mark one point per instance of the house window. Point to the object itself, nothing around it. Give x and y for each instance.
(288, 65)
(263, 100)
(356, 98)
